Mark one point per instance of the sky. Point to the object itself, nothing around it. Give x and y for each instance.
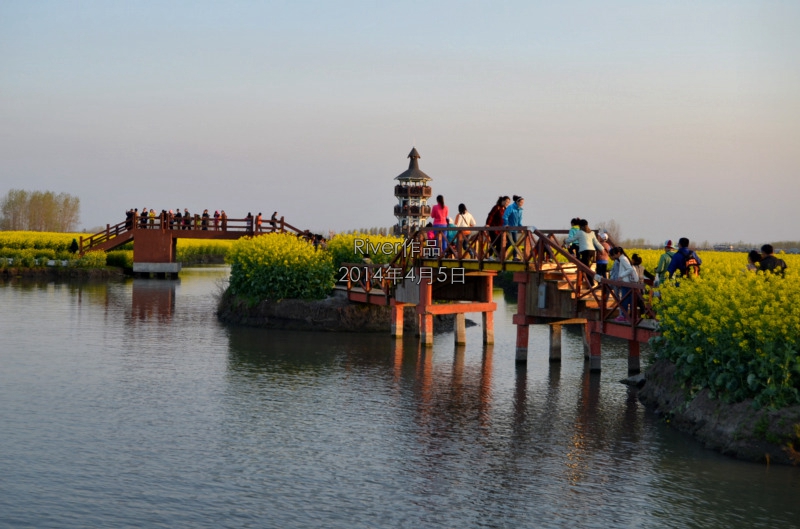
(672, 118)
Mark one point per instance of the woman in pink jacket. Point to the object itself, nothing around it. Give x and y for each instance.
(439, 215)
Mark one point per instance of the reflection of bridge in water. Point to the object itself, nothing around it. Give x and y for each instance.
(553, 288)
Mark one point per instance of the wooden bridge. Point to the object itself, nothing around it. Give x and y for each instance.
(553, 287)
(157, 237)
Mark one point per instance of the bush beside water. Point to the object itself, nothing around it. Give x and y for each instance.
(279, 266)
(353, 247)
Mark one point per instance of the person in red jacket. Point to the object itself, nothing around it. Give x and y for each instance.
(495, 218)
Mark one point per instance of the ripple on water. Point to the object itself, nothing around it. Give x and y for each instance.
(128, 404)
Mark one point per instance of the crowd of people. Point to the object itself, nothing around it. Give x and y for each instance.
(184, 220)
(585, 244)
(506, 212)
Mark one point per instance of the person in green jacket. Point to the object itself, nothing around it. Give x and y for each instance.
(663, 262)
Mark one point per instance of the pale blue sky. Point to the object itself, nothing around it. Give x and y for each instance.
(673, 118)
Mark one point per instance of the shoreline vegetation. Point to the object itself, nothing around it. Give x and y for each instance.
(726, 367)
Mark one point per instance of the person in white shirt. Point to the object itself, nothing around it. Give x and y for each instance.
(623, 271)
(464, 219)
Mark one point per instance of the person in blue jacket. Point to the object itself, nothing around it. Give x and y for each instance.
(513, 217)
(683, 256)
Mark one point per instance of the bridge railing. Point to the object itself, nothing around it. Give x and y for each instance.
(503, 245)
(633, 300)
(111, 232)
(534, 249)
(247, 225)
(244, 226)
(368, 277)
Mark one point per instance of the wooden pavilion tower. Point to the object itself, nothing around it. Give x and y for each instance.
(412, 193)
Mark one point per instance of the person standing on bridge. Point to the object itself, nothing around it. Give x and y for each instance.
(258, 222)
(273, 221)
(439, 215)
(187, 219)
(495, 218)
(601, 259)
(249, 222)
(206, 216)
(464, 219)
(623, 271)
(513, 217)
(587, 245)
(216, 220)
(223, 217)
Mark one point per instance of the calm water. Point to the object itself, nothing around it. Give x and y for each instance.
(129, 405)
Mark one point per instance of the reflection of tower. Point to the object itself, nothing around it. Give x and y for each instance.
(412, 210)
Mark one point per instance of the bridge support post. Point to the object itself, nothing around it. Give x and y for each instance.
(397, 319)
(425, 318)
(595, 345)
(555, 342)
(488, 328)
(426, 330)
(633, 357)
(461, 328)
(520, 318)
(586, 350)
(522, 343)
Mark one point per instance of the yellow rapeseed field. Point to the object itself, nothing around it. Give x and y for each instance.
(731, 330)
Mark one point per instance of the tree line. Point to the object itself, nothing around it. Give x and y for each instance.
(22, 210)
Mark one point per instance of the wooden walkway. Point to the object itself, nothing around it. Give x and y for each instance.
(553, 287)
(155, 248)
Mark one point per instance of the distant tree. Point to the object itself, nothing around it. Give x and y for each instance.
(39, 211)
(612, 228)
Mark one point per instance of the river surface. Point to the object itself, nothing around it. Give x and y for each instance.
(127, 404)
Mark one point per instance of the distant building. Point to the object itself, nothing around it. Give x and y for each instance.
(412, 193)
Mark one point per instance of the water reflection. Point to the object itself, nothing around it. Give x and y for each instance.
(153, 299)
(295, 429)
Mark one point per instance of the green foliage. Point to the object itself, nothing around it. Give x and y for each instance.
(120, 258)
(352, 248)
(279, 266)
(91, 260)
(200, 250)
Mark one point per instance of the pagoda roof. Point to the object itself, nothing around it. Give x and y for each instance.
(413, 173)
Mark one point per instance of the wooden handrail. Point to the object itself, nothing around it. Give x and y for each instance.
(245, 226)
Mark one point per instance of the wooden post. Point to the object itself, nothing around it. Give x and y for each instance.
(522, 343)
(595, 344)
(397, 319)
(426, 330)
(633, 357)
(426, 319)
(522, 328)
(555, 342)
(461, 329)
(488, 328)
(586, 353)
(488, 317)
